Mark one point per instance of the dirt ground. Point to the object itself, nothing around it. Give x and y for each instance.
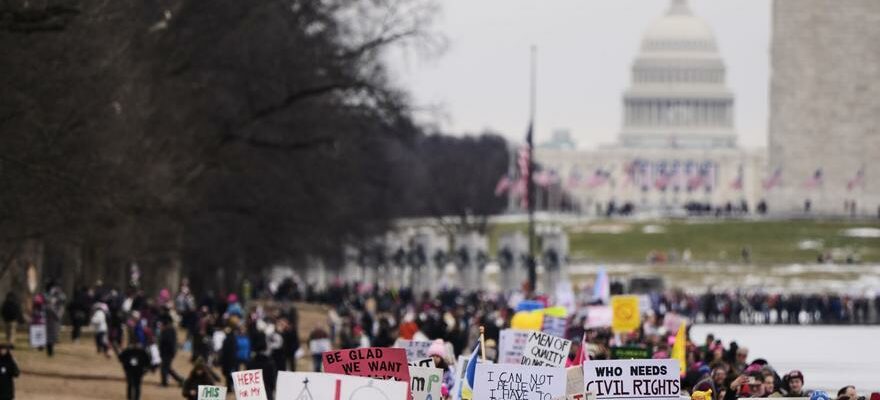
(77, 372)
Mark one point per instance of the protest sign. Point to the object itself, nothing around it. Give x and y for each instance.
(672, 321)
(425, 383)
(206, 392)
(545, 350)
(319, 386)
(511, 343)
(500, 382)
(598, 317)
(554, 325)
(249, 385)
(626, 353)
(632, 379)
(574, 382)
(425, 362)
(371, 362)
(460, 367)
(37, 335)
(415, 349)
(626, 317)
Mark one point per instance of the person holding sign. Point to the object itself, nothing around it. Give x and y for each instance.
(200, 375)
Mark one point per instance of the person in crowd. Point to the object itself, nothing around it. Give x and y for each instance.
(12, 315)
(319, 342)
(794, 380)
(135, 363)
(99, 324)
(847, 393)
(55, 306)
(291, 345)
(201, 374)
(167, 351)
(8, 372)
(229, 357)
(265, 363)
(437, 352)
(79, 312)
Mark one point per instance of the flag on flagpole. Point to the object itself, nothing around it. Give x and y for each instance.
(678, 349)
(858, 180)
(774, 180)
(470, 374)
(599, 178)
(737, 184)
(503, 185)
(815, 180)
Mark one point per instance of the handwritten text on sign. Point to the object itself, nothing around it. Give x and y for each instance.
(511, 343)
(249, 385)
(632, 379)
(426, 382)
(505, 381)
(544, 349)
(206, 392)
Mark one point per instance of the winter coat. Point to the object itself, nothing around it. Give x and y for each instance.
(54, 314)
(229, 353)
(99, 321)
(135, 361)
(8, 372)
(192, 384)
(11, 310)
(263, 362)
(168, 343)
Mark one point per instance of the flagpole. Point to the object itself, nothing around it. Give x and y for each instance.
(483, 343)
(530, 184)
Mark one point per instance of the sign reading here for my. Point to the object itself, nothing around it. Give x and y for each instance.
(632, 379)
(249, 385)
(545, 349)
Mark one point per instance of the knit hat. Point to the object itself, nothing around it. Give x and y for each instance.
(819, 395)
(438, 348)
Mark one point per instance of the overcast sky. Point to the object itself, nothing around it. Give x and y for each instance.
(585, 50)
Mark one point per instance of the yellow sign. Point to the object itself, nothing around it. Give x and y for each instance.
(626, 317)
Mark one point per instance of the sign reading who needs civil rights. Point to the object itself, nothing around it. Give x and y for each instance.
(543, 349)
(632, 379)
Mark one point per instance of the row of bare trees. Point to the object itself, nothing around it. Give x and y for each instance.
(217, 137)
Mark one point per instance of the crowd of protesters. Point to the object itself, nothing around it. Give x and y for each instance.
(226, 333)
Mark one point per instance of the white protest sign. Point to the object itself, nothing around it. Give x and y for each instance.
(511, 343)
(633, 379)
(425, 383)
(599, 317)
(249, 385)
(574, 382)
(500, 382)
(38, 335)
(415, 349)
(322, 386)
(206, 392)
(425, 362)
(543, 349)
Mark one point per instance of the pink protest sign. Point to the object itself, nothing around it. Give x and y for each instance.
(371, 362)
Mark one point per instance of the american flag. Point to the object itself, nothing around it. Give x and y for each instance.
(858, 180)
(737, 183)
(662, 180)
(599, 178)
(697, 181)
(546, 178)
(815, 180)
(504, 184)
(774, 180)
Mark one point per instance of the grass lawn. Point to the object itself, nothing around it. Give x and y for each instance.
(771, 242)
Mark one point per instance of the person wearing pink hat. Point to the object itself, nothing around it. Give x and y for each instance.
(437, 352)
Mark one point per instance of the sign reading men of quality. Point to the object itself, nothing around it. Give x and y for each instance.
(632, 379)
(426, 382)
(206, 392)
(371, 362)
(249, 385)
(543, 349)
(626, 317)
(521, 382)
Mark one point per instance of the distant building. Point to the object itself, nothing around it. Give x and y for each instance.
(561, 140)
(677, 144)
(825, 106)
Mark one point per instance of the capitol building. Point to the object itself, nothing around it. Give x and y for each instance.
(677, 143)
